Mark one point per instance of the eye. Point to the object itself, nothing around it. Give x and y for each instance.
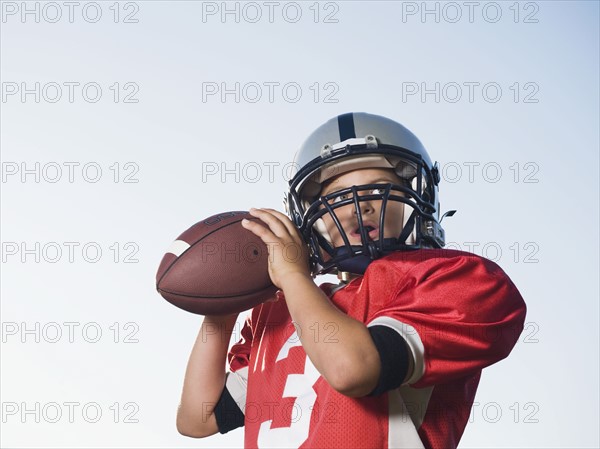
(378, 191)
(338, 198)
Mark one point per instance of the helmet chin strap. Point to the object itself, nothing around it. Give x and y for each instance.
(358, 264)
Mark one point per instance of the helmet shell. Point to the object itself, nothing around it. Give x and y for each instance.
(355, 141)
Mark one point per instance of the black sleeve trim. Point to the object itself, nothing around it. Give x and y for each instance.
(228, 413)
(393, 353)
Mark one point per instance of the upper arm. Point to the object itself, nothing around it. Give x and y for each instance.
(394, 358)
(229, 411)
(227, 414)
(457, 315)
(215, 417)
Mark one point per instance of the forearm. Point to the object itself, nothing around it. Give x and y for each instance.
(350, 363)
(205, 377)
(339, 346)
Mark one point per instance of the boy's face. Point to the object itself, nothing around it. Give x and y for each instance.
(370, 209)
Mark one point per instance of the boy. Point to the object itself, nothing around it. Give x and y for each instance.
(390, 357)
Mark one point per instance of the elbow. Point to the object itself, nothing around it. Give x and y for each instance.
(353, 390)
(356, 381)
(189, 427)
(193, 432)
(188, 432)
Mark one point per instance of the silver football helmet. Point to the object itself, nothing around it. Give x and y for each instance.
(356, 141)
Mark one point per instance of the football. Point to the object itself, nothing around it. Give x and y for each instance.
(216, 267)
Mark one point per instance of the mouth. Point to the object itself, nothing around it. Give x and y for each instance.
(371, 229)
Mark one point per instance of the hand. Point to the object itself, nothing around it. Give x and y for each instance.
(288, 254)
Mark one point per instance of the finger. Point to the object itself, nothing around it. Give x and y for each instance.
(264, 233)
(291, 227)
(272, 221)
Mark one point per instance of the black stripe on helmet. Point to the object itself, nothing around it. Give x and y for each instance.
(346, 126)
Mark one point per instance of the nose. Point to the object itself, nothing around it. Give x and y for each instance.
(366, 207)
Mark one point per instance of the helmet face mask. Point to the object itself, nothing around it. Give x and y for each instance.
(414, 195)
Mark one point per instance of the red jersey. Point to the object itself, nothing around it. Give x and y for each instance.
(457, 312)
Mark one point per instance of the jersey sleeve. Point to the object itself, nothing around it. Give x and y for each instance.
(457, 314)
(239, 354)
(236, 382)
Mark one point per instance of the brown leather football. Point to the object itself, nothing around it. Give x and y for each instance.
(216, 267)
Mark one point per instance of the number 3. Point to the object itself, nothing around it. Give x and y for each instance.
(299, 386)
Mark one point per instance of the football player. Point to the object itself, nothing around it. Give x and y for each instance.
(389, 357)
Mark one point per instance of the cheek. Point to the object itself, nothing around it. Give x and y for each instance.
(332, 229)
(341, 213)
(330, 225)
(394, 215)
